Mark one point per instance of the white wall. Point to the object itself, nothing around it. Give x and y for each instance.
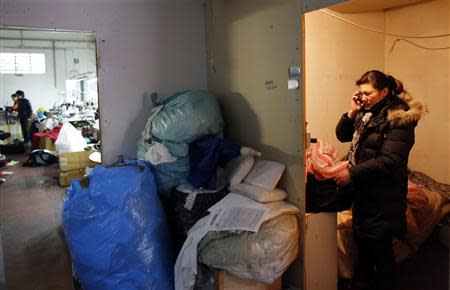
(337, 54)
(425, 74)
(144, 45)
(43, 90)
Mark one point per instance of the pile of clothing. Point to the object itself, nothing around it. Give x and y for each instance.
(11, 139)
(197, 171)
(262, 254)
(181, 141)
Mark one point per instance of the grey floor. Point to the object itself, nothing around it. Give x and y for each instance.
(35, 255)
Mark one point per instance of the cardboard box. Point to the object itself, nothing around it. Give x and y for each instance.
(66, 177)
(75, 160)
(46, 143)
(225, 281)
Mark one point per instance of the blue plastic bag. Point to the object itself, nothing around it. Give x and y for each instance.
(187, 116)
(117, 231)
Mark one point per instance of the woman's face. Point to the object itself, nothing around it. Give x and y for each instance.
(370, 95)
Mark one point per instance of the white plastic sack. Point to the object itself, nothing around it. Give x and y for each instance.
(261, 256)
(69, 139)
(266, 174)
(157, 153)
(186, 264)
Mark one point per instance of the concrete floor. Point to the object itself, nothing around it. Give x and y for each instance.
(35, 253)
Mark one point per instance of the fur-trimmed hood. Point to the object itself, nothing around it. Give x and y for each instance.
(400, 116)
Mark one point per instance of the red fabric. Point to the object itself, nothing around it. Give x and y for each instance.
(37, 137)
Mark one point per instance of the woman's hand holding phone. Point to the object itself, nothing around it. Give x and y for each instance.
(356, 104)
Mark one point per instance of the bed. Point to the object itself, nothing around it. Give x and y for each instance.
(428, 203)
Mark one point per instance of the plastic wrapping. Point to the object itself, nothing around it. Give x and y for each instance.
(188, 116)
(261, 256)
(69, 139)
(117, 231)
(168, 175)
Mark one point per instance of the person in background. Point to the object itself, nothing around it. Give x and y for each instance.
(24, 110)
(9, 109)
(380, 125)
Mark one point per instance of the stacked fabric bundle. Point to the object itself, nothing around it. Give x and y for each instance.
(175, 122)
(261, 255)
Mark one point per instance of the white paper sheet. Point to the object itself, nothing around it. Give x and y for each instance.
(236, 212)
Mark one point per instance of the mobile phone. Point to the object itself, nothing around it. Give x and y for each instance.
(358, 98)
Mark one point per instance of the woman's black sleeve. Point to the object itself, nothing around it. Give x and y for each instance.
(345, 128)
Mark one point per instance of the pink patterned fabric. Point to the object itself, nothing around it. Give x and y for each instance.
(323, 160)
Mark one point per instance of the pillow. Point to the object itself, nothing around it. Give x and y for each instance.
(265, 174)
(259, 194)
(238, 168)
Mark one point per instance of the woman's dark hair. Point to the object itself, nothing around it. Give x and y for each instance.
(20, 93)
(379, 80)
(13, 95)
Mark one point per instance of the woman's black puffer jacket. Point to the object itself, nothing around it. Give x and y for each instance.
(379, 177)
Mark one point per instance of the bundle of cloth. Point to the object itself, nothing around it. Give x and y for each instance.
(261, 255)
(182, 141)
(174, 123)
(323, 160)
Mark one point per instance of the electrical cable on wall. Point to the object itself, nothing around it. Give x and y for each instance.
(415, 44)
(380, 31)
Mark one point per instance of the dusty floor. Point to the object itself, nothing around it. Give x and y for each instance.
(34, 250)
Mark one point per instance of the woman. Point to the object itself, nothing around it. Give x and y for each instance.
(380, 124)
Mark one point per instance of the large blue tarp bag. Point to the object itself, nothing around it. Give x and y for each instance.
(117, 231)
(187, 116)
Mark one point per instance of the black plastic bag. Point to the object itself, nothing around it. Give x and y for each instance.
(41, 157)
(182, 219)
(326, 196)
